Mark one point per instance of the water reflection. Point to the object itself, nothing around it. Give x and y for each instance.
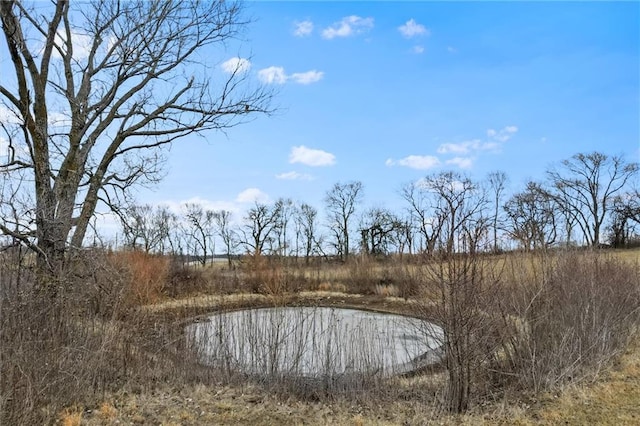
(314, 341)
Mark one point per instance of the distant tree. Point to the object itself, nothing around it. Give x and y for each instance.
(404, 234)
(261, 222)
(497, 183)
(168, 222)
(341, 202)
(532, 217)
(459, 204)
(423, 213)
(625, 215)
(146, 227)
(584, 186)
(377, 230)
(96, 90)
(222, 220)
(306, 220)
(199, 225)
(286, 207)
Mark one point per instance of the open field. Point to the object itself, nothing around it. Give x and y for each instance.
(128, 366)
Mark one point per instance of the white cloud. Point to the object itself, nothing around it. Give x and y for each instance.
(294, 176)
(451, 49)
(308, 77)
(496, 139)
(4, 147)
(80, 43)
(459, 148)
(465, 151)
(503, 134)
(272, 75)
(59, 119)
(462, 162)
(302, 29)
(277, 75)
(252, 195)
(418, 49)
(7, 116)
(411, 29)
(55, 118)
(236, 65)
(177, 207)
(491, 146)
(419, 162)
(348, 26)
(311, 157)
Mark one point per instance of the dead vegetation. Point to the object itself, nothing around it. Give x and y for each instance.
(544, 340)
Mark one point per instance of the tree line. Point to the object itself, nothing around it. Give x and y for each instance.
(588, 199)
(96, 91)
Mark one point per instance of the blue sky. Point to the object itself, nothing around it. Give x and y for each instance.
(387, 93)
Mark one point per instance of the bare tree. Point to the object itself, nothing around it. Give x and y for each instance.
(422, 213)
(306, 220)
(404, 233)
(97, 89)
(625, 215)
(459, 204)
(147, 227)
(168, 222)
(497, 183)
(199, 225)
(341, 201)
(532, 216)
(261, 222)
(584, 185)
(286, 207)
(222, 220)
(377, 230)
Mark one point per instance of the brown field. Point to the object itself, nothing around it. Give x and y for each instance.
(610, 400)
(167, 391)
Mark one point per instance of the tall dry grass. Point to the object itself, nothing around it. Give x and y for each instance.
(89, 339)
(567, 317)
(528, 322)
(146, 274)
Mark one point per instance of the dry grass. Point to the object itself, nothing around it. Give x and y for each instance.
(123, 386)
(207, 301)
(147, 275)
(611, 400)
(71, 416)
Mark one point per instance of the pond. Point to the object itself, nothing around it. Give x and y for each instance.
(315, 341)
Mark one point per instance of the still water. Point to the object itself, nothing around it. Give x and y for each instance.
(315, 341)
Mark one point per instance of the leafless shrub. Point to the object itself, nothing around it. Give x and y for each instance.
(89, 339)
(268, 276)
(571, 319)
(459, 294)
(529, 323)
(184, 280)
(53, 352)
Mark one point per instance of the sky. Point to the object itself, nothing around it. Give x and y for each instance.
(386, 93)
